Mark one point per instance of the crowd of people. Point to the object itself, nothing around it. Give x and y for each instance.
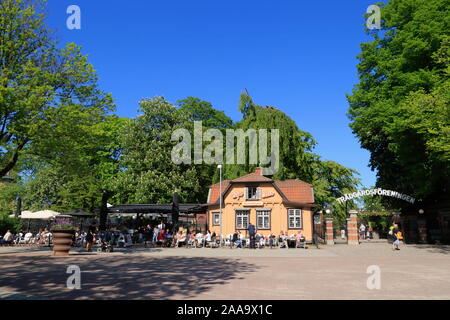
(26, 237)
(365, 232)
(161, 235)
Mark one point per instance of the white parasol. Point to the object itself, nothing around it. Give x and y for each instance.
(43, 214)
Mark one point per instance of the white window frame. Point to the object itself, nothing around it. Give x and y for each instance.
(241, 213)
(267, 214)
(257, 194)
(295, 213)
(214, 215)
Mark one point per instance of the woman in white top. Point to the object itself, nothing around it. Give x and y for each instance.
(199, 238)
(207, 238)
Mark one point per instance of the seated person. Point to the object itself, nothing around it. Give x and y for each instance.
(300, 240)
(191, 240)
(181, 239)
(161, 238)
(168, 238)
(37, 238)
(272, 240)
(207, 239)
(237, 241)
(28, 236)
(262, 241)
(282, 239)
(199, 239)
(7, 238)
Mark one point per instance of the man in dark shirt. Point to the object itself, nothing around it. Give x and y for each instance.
(252, 232)
(90, 236)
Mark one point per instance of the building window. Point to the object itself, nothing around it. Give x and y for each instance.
(216, 219)
(242, 219)
(263, 219)
(295, 219)
(253, 193)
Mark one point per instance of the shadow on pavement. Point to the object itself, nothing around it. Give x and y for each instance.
(432, 248)
(120, 277)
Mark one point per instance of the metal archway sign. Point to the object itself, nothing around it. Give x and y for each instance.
(374, 192)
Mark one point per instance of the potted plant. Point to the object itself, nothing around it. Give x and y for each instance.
(62, 233)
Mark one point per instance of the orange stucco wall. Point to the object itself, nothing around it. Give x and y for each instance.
(278, 215)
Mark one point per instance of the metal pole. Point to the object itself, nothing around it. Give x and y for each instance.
(220, 202)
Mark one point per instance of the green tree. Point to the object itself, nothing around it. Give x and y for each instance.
(331, 181)
(246, 105)
(7, 223)
(148, 174)
(295, 145)
(9, 192)
(297, 160)
(196, 109)
(48, 96)
(199, 110)
(400, 108)
(76, 180)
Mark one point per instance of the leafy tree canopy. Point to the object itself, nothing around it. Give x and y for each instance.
(49, 97)
(148, 174)
(400, 108)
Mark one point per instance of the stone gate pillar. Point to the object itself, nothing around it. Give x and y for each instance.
(329, 233)
(352, 228)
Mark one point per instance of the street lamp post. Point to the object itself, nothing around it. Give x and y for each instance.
(220, 201)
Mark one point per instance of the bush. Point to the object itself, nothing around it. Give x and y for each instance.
(7, 223)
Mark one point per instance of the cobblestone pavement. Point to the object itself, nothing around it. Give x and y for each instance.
(331, 272)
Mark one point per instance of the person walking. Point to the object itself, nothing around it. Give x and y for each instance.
(161, 226)
(343, 232)
(90, 236)
(155, 235)
(316, 239)
(362, 231)
(272, 240)
(252, 233)
(396, 235)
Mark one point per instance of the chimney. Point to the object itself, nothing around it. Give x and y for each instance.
(258, 171)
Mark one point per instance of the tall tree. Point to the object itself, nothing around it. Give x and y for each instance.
(295, 145)
(331, 181)
(199, 110)
(75, 180)
(148, 174)
(47, 95)
(400, 108)
(196, 109)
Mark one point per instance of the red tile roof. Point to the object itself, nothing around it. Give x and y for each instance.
(292, 190)
(296, 190)
(252, 177)
(214, 191)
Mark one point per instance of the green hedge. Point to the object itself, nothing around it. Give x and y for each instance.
(7, 223)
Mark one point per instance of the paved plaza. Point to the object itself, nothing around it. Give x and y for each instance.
(331, 272)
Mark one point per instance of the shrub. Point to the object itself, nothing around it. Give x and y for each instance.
(7, 223)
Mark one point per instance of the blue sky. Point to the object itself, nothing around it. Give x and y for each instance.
(299, 56)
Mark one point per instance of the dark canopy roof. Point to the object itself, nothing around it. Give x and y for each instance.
(79, 213)
(185, 208)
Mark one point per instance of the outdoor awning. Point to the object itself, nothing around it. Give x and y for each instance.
(43, 214)
(78, 213)
(184, 208)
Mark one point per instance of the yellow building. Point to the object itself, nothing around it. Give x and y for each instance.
(270, 205)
